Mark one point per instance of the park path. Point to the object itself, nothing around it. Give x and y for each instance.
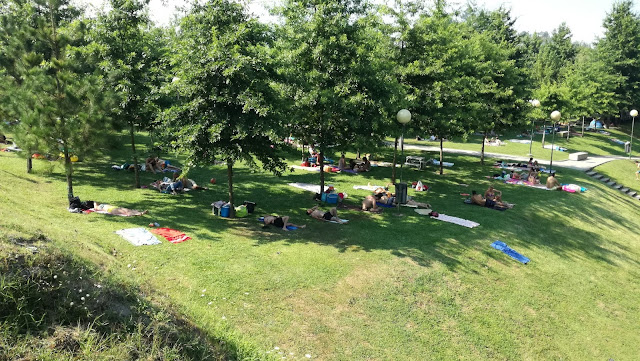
(584, 165)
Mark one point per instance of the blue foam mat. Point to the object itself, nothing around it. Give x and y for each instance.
(501, 246)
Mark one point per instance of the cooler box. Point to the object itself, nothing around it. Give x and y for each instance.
(225, 211)
(332, 198)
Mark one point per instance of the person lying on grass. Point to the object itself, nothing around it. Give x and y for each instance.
(188, 183)
(166, 186)
(382, 195)
(481, 201)
(552, 182)
(331, 215)
(282, 222)
(103, 207)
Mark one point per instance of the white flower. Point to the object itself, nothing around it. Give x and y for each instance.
(81, 298)
(202, 295)
(71, 304)
(129, 265)
(276, 348)
(87, 295)
(55, 277)
(209, 303)
(224, 317)
(307, 356)
(205, 290)
(80, 291)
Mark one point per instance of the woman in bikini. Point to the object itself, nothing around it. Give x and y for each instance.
(493, 194)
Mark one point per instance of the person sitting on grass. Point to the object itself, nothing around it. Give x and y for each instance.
(481, 201)
(365, 166)
(188, 183)
(118, 211)
(282, 222)
(552, 182)
(533, 177)
(493, 194)
(514, 175)
(342, 163)
(638, 170)
(331, 215)
(369, 203)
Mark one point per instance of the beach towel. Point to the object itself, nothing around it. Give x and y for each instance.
(368, 188)
(171, 235)
(384, 205)
(307, 187)
(291, 228)
(309, 169)
(555, 147)
(107, 213)
(138, 236)
(501, 246)
(450, 219)
(437, 162)
(523, 141)
(616, 140)
(526, 183)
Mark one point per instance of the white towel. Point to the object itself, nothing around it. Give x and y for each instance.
(368, 188)
(138, 236)
(459, 221)
(308, 187)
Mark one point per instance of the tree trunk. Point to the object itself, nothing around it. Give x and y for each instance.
(395, 154)
(484, 139)
(29, 163)
(67, 168)
(135, 156)
(568, 131)
(441, 158)
(583, 126)
(320, 162)
(232, 209)
(303, 154)
(544, 132)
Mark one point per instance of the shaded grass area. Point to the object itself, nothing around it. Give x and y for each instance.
(53, 306)
(381, 287)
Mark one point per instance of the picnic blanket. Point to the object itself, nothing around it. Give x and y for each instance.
(555, 147)
(501, 246)
(171, 235)
(523, 141)
(616, 140)
(450, 219)
(291, 228)
(138, 236)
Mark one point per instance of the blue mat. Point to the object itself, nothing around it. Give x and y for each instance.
(384, 205)
(291, 228)
(501, 246)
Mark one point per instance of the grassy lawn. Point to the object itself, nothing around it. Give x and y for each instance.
(593, 143)
(381, 287)
(621, 171)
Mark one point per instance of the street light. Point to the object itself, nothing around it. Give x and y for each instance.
(634, 114)
(404, 117)
(536, 104)
(555, 116)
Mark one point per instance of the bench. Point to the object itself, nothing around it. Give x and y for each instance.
(417, 162)
(578, 156)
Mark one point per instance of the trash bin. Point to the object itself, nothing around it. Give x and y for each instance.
(627, 147)
(401, 193)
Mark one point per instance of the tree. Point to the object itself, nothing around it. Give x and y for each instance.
(555, 56)
(64, 111)
(501, 84)
(439, 70)
(336, 76)
(223, 75)
(123, 36)
(621, 43)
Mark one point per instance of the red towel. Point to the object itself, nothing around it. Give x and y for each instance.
(172, 235)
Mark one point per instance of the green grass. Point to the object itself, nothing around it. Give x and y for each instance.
(593, 143)
(381, 287)
(622, 172)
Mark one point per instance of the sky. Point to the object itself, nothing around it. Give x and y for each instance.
(584, 17)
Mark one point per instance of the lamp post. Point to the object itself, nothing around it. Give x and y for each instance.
(555, 116)
(536, 104)
(634, 114)
(404, 117)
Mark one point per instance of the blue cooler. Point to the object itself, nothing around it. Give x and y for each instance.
(332, 198)
(224, 211)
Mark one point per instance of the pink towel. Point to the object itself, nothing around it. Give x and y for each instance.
(172, 235)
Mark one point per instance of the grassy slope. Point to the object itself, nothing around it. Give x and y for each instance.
(621, 171)
(381, 287)
(592, 143)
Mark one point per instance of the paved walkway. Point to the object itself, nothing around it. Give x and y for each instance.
(591, 162)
